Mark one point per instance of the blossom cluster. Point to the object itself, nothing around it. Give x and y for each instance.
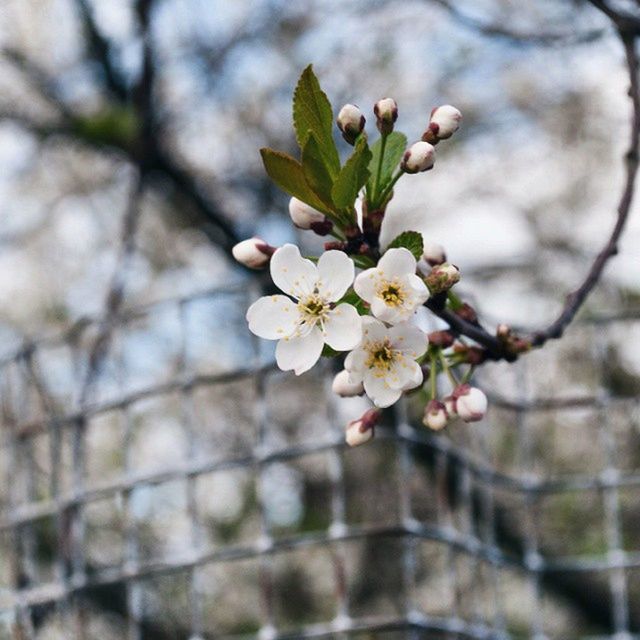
(359, 300)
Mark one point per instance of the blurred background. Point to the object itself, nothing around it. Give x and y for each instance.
(158, 478)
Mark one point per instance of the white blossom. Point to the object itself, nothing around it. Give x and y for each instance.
(303, 325)
(303, 215)
(342, 387)
(392, 288)
(385, 361)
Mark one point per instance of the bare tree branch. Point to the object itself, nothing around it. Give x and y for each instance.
(518, 37)
(576, 298)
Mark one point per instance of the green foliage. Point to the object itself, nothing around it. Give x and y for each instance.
(328, 352)
(312, 113)
(117, 126)
(394, 149)
(352, 176)
(289, 175)
(351, 297)
(316, 171)
(411, 240)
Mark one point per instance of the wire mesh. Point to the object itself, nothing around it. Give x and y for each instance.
(186, 489)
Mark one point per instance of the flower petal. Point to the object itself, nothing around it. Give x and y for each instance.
(336, 271)
(366, 283)
(354, 363)
(386, 312)
(292, 273)
(417, 287)
(343, 328)
(300, 353)
(408, 339)
(381, 394)
(273, 317)
(396, 263)
(416, 376)
(372, 330)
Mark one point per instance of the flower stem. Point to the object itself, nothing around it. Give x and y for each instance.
(433, 376)
(467, 375)
(389, 187)
(376, 183)
(445, 365)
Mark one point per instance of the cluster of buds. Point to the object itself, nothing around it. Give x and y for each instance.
(465, 402)
(356, 298)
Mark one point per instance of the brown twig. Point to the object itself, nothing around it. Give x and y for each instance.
(628, 29)
(576, 298)
(518, 37)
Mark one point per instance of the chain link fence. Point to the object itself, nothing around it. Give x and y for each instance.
(180, 487)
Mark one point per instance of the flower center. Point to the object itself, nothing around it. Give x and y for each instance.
(392, 293)
(313, 308)
(381, 356)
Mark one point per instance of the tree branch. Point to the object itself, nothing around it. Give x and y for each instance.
(518, 37)
(576, 298)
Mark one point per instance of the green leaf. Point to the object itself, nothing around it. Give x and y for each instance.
(394, 149)
(289, 175)
(351, 297)
(312, 113)
(411, 240)
(328, 352)
(316, 171)
(352, 176)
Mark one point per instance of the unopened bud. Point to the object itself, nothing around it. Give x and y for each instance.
(435, 415)
(386, 111)
(362, 430)
(444, 122)
(441, 339)
(344, 387)
(503, 331)
(322, 228)
(303, 215)
(471, 403)
(254, 253)
(420, 156)
(450, 406)
(467, 312)
(442, 277)
(351, 122)
(433, 253)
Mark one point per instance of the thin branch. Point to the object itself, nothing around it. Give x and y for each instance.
(518, 37)
(115, 294)
(576, 298)
(99, 49)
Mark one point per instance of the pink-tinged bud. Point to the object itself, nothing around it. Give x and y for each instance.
(254, 253)
(362, 430)
(351, 122)
(435, 415)
(445, 121)
(503, 331)
(442, 277)
(450, 406)
(434, 254)
(344, 388)
(386, 112)
(471, 403)
(303, 215)
(420, 156)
